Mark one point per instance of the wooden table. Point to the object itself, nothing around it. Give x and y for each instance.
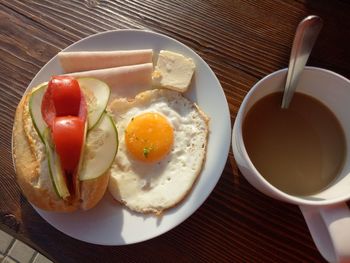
(242, 41)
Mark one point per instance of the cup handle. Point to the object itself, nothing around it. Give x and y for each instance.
(330, 229)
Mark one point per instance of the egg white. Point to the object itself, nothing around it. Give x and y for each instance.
(153, 187)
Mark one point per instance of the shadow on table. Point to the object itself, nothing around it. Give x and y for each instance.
(82, 225)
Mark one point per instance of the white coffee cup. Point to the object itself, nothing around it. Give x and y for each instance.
(326, 213)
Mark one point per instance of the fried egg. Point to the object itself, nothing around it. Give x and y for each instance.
(162, 148)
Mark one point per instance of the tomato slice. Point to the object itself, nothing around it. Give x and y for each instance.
(63, 97)
(47, 108)
(64, 109)
(66, 95)
(68, 137)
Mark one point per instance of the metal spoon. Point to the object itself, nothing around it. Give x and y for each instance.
(304, 39)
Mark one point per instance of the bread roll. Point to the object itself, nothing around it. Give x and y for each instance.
(33, 173)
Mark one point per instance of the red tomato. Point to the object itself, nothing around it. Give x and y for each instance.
(66, 95)
(47, 108)
(62, 98)
(68, 137)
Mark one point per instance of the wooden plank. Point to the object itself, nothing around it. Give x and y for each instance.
(242, 41)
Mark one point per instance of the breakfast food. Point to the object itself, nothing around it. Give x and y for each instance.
(124, 81)
(173, 71)
(131, 72)
(163, 138)
(92, 60)
(64, 143)
(65, 137)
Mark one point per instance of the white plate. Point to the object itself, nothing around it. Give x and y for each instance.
(111, 224)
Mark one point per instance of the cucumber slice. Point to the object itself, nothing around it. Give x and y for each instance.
(35, 100)
(80, 165)
(97, 95)
(55, 170)
(100, 149)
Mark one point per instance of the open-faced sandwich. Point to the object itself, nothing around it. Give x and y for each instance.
(64, 143)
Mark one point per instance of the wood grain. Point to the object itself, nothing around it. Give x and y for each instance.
(241, 40)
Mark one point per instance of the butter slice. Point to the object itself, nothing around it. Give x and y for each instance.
(173, 71)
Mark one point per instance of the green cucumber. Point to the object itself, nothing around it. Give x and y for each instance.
(55, 170)
(100, 149)
(97, 95)
(35, 100)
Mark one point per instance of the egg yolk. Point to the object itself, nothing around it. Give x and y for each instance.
(149, 137)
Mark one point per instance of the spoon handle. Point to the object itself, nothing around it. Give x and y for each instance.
(304, 40)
